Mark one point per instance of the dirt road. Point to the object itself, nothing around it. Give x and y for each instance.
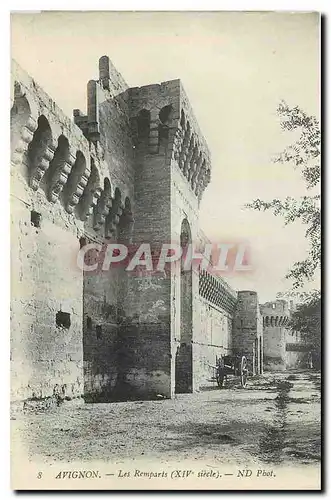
(275, 419)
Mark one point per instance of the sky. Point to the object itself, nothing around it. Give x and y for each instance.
(236, 68)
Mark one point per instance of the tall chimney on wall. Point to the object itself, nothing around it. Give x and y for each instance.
(104, 75)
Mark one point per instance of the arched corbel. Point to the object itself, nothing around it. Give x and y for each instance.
(188, 157)
(200, 179)
(77, 181)
(185, 146)
(196, 171)
(177, 144)
(59, 169)
(103, 206)
(114, 215)
(23, 122)
(193, 163)
(126, 222)
(91, 194)
(40, 152)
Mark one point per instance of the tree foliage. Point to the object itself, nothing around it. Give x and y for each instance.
(306, 319)
(304, 154)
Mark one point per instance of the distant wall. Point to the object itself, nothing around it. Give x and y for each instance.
(295, 359)
(215, 340)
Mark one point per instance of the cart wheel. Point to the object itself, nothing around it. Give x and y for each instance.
(243, 371)
(220, 379)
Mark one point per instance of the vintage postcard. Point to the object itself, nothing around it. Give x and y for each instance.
(165, 251)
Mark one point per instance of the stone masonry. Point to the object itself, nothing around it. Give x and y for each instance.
(133, 169)
(283, 348)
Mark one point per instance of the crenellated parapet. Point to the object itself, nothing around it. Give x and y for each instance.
(191, 150)
(59, 158)
(154, 114)
(275, 314)
(163, 123)
(217, 291)
(277, 321)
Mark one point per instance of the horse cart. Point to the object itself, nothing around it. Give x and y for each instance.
(231, 365)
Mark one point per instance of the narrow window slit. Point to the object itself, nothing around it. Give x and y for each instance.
(98, 331)
(35, 218)
(63, 319)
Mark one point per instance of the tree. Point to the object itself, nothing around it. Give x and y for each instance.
(304, 154)
(306, 319)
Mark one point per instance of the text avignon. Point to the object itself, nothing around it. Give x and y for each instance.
(78, 474)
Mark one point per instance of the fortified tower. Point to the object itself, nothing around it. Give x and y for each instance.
(247, 336)
(172, 169)
(275, 318)
(165, 167)
(131, 170)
